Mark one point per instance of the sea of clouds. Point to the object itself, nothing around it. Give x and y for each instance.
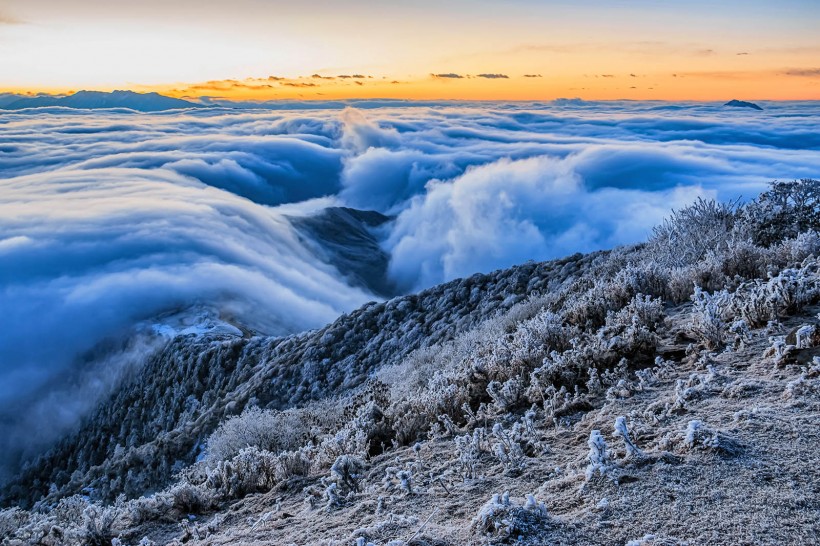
(110, 218)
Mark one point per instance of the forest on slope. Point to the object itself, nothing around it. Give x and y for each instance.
(592, 399)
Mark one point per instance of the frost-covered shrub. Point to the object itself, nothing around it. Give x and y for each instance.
(507, 449)
(805, 336)
(536, 337)
(267, 430)
(254, 470)
(97, 526)
(11, 520)
(590, 309)
(348, 470)
(689, 234)
(405, 478)
(631, 330)
(507, 395)
(794, 251)
(707, 317)
(293, 464)
(365, 432)
(503, 518)
(598, 456)
(398, 478)
(469, 448)
(742, 332)
(759, 302)
(156, 506)
(784, 211)
(184, 497)
(699, 437)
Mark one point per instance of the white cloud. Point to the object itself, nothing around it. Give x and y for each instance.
(109, 218)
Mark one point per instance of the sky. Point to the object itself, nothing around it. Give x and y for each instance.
(424, 49)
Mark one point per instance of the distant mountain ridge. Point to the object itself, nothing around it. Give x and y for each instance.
(743, 104)
(142, 102)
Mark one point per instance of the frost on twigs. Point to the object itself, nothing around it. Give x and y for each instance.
(507, 448)
(707, 317)
(503, 518)
(807, 384)
(343, 482)
(469, 449)
(805, 336)
(347, 471)
(699, 437)
(598, 456)
(652, 540)
(621, 430)
(398, 478)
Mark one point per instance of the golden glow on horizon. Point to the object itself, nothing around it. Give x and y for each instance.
(635, 49)
(696, 86)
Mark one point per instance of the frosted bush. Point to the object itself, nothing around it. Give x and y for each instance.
(97, 526)
(267, 430)
(794, 288)
(689, 234)
(469, 449)
(503, 518)
(755, 303)
(784, 211)
(405, 478)
(778, 350)
(707, 317)
(348, 470)
(508, 450)
(184, 497)
(506, 395)
(534, 338)
(334, 499)
(698, 436)
(293, 464)
(12, 519)
(348, 440)
(742, 332)
(598, 456)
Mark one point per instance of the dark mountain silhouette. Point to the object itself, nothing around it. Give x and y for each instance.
(143, 102)
(743, 104)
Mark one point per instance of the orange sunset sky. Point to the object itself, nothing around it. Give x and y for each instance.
(458, 49)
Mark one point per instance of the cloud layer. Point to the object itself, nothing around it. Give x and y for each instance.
(109, 218)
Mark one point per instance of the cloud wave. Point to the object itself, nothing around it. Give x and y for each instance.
(109, 218)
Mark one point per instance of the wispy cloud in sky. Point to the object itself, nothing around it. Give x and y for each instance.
(803, 72)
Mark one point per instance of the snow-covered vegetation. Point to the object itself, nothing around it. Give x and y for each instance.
(590, 399)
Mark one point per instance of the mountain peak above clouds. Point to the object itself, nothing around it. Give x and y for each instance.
(743, 104)
(142, 102)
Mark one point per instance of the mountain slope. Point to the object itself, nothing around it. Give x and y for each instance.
(664, 394)
(345, 237)
(150, 416)
(142, 102)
